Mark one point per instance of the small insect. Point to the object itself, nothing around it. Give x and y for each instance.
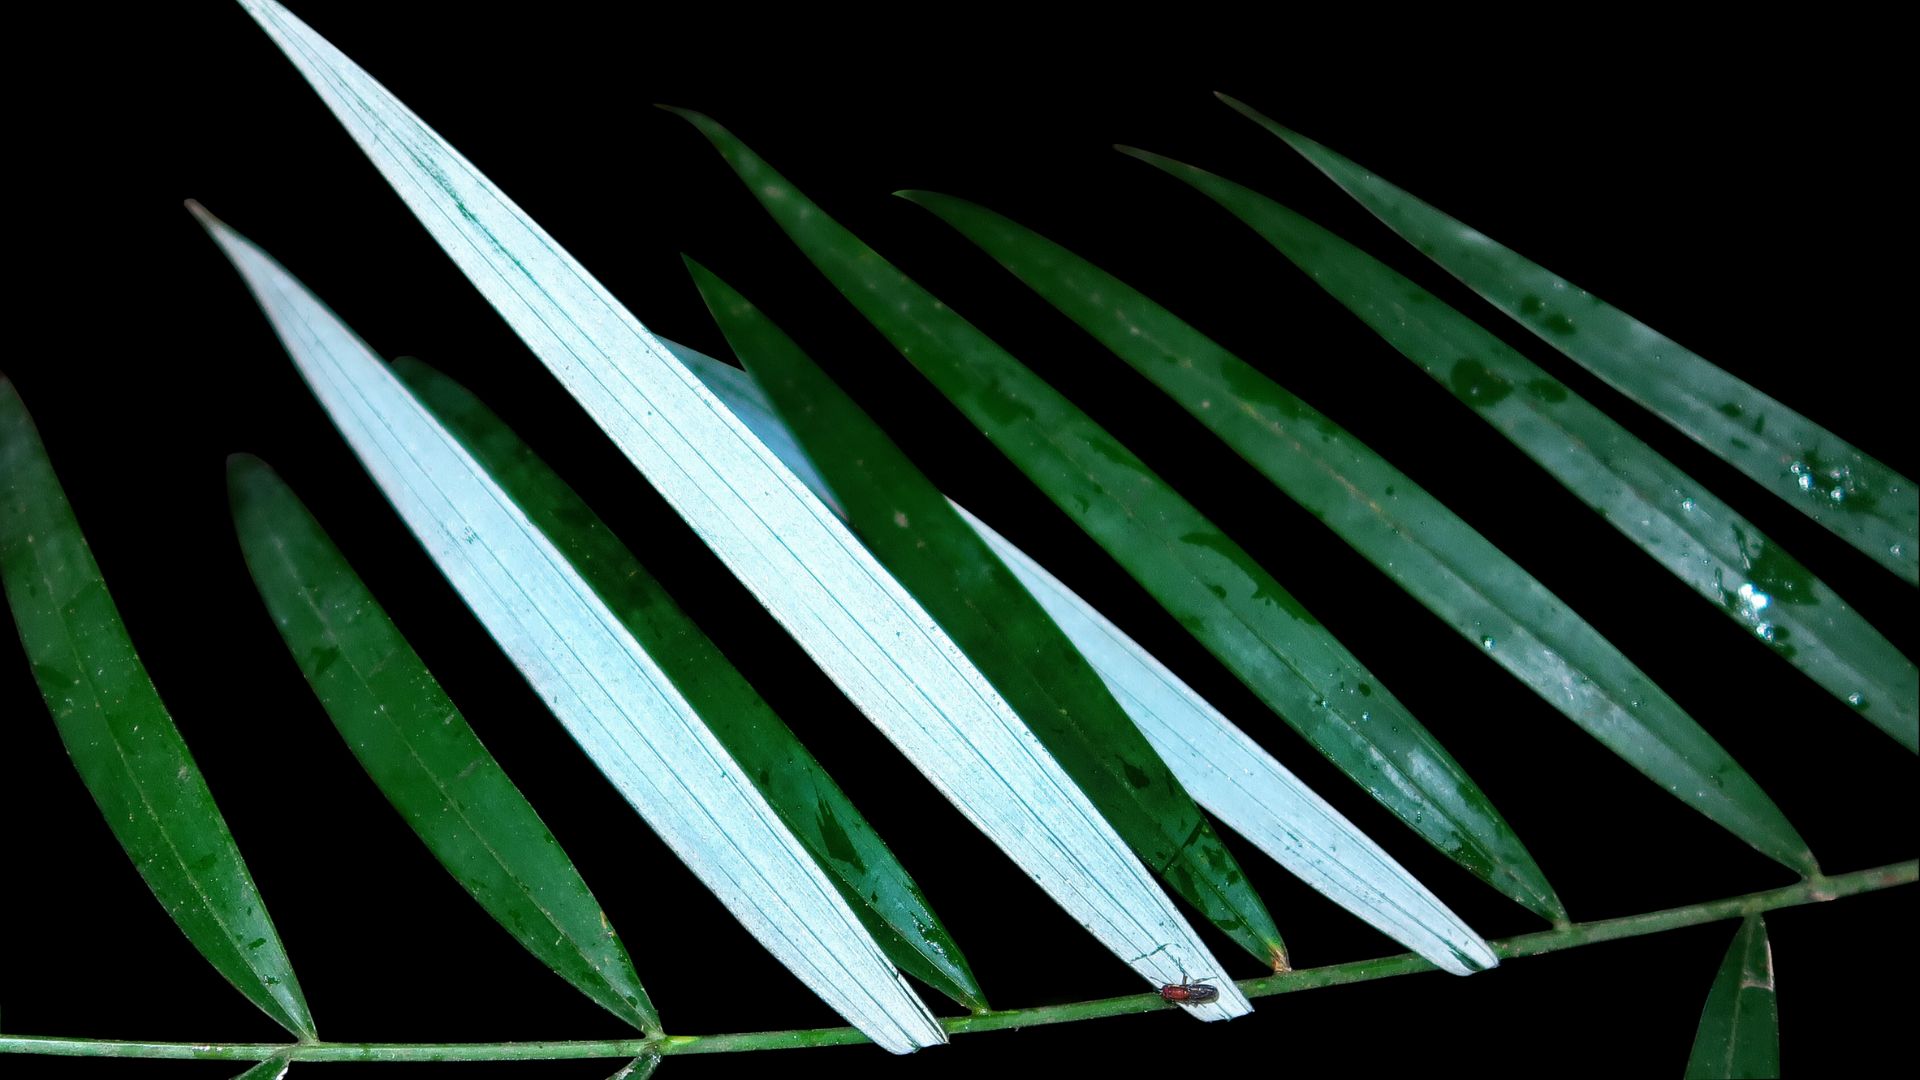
(1189, 993)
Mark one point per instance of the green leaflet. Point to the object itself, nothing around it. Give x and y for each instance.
(925, 545)
(119, 735)
(874, 641)
(1697, 537)
(839, 838)
(1405, 532)
(1869, 505)
(1229, 602)
(420, 751)
(1226, 772)
(1739, 1032)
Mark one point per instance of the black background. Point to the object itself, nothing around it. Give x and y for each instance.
(1735, 195)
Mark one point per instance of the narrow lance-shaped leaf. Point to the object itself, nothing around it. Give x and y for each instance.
(1226, 771)
(1228, 601)
(1404, 531)
(419, 750)
(1669, 515)
(840, 839)
(868, 635)
(122, 742)
(919, 538)
(1856, 497)
(1739, 1032)
(635, 726)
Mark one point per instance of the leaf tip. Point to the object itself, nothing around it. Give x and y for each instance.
(222, 233)
(1192, 174)
(1248, 111)
(200, 214)
(242, 462)
(713, 289)
(247, 475)
(692, 116)
(1165, 164)
(705, 125)
(404, 364)
(940, 206)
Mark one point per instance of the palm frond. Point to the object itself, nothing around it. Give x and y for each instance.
(805, 570)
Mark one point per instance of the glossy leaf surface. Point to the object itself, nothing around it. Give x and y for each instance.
(626, 714)
(1670, 516)
(936, 556)
(1739, 1032)
(1855, 496)
(864, 631)
(419, 750)
(1229, 602)
(124, 745)
(808, 801)
(1405, 532)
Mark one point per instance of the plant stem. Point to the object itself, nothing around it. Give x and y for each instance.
(1811, 891)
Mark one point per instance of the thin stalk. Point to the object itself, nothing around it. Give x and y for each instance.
(1813, 890)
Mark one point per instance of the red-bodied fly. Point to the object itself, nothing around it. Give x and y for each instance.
(1189, 993)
